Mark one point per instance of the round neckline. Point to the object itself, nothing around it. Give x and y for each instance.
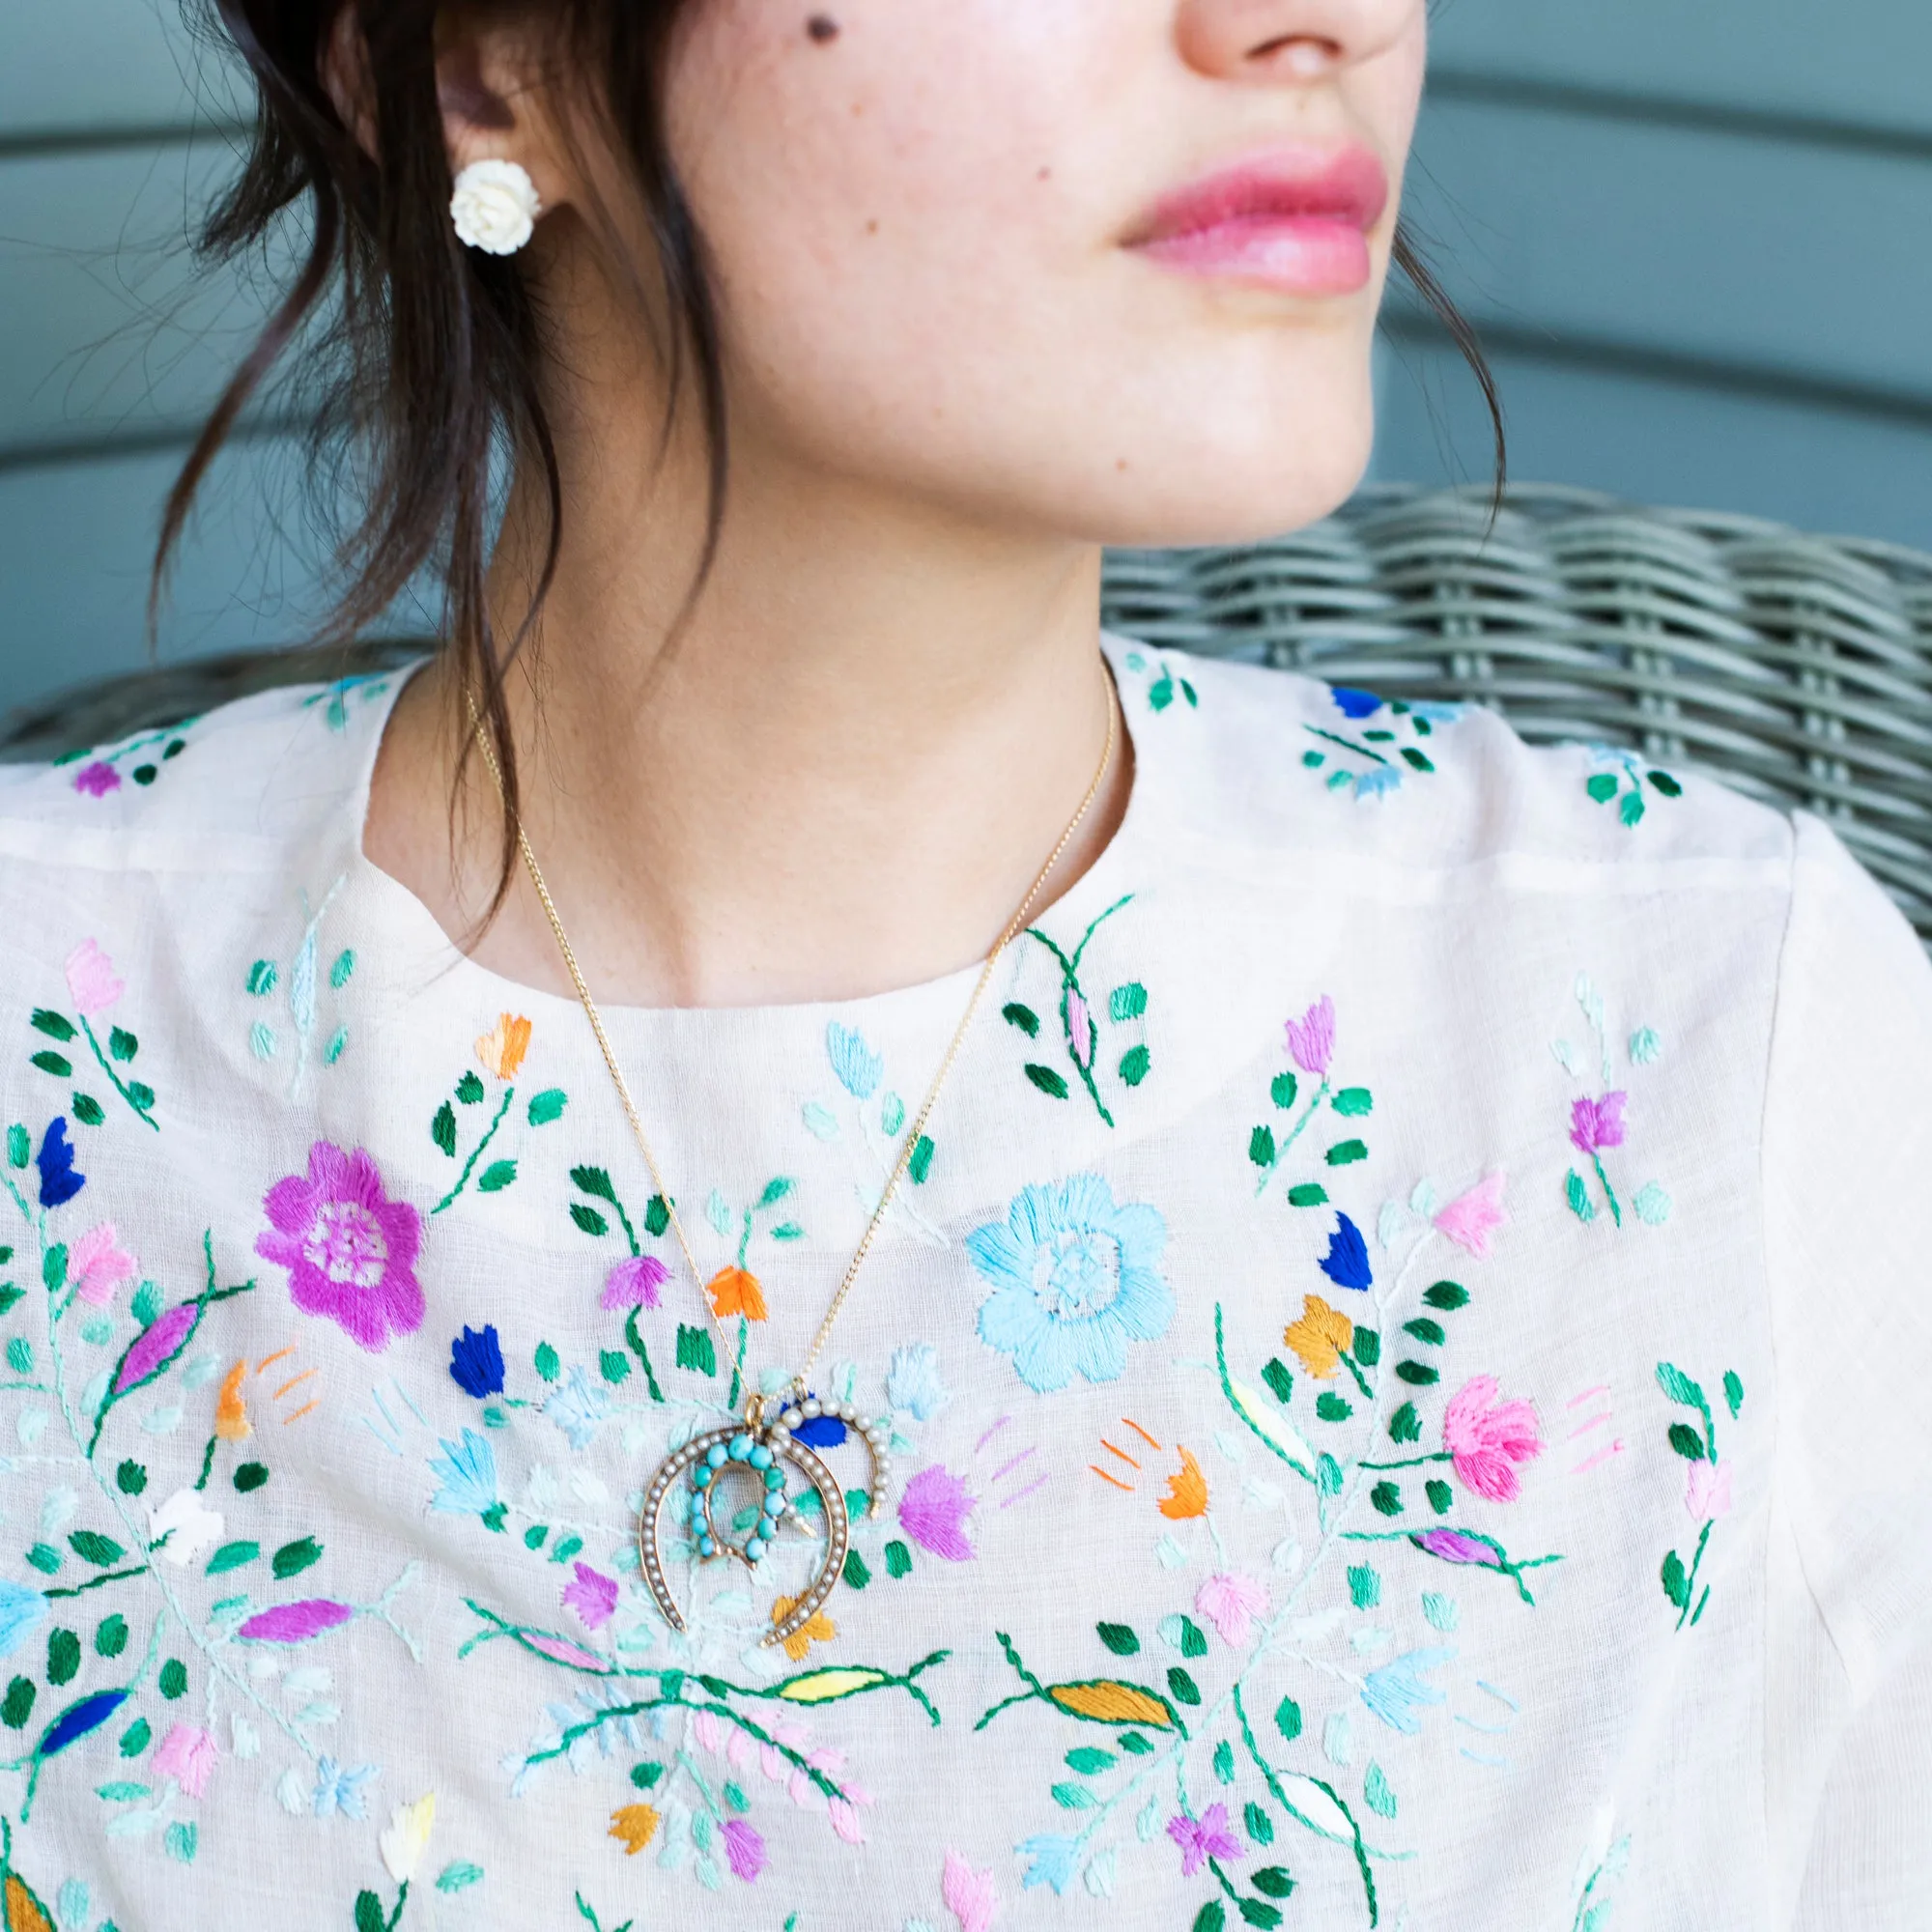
(421, 934)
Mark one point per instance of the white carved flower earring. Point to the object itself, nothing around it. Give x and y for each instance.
(494, 207)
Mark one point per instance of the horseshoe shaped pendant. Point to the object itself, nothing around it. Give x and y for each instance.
(689, 1481)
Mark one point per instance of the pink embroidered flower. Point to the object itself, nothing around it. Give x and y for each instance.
(92, 982)
(744, 1850)
(1231, 1604)
(972, 1898)
(1596, 1124)
(1080, 1029)
(845, 1820)
(592, 1595)
(349, 1250)
(635, 1282)
(296, 1623)
(1311, 1038)
(188, 1755)
(97, 779)
(1486, 1443)
(561, 1651)
(1471, 1218)
(1707, 1492)
(1205, 1837)
(933, 1513)
(98, 1264)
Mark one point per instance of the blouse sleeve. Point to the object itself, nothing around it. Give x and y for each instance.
(1847, 1152)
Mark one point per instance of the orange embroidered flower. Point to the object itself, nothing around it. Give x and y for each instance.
(636, 1824)
(231, 1413)
(24, 1912)
(1319, 1337)
(816, 1629)
(1186, 1492)
(1109, 1703)
(736, 1291)
(502, 1048)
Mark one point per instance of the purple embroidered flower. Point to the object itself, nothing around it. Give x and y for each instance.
(1347, 1261)
(1354, 704)
(1451, 1546)
(349, 1250)
(97, 779)
(1311, 1040)
(1597, 1125)
(933, 1513)
(296, 1623)
(158, 1344)
(1079, 1029)
(60, 1180)
(1202, 1838)
(592, 1595)
(476, 1361)
(635, 1282)
(744, 1850)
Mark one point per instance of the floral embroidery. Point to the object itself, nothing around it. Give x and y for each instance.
(1164, 683)
(302, 988)
(1076, 1278)
(93, 988)
(877, 1117)
(349, 1250)
(101, 774)
(1707, 1487)
(500, 1052)
(1599, 1122)
(333, 697)
(971, 1896)
(1311, 1047)
(1371, 760)
(1622, 784)
(1083, 1027)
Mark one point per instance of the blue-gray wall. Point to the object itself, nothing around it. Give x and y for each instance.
(1697, 233)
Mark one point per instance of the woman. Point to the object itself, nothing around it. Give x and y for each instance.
(1363, 1366)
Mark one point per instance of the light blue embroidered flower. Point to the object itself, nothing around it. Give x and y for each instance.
(1053, 1862)
(913, 1383)
(1397, 1692)
(577, 1406)
(338, 1789)
(859, 1068)
(466, 1470)
(21, 1612)
(1076, 1277)
(1378, 782)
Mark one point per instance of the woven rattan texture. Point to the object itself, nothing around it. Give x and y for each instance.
(1794, 667)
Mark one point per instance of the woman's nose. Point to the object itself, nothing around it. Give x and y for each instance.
(1287, 41)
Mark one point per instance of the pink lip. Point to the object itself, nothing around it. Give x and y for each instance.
(1296, 219)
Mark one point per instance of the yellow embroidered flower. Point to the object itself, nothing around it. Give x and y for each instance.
(827, 1686)
(1186, 1492)
(636, 1824)
(816, 1629)
(406, 1836)
(231, 1413)
(1109, 1703)
(736, 1291)
(1319, 1337)
(502, 1048)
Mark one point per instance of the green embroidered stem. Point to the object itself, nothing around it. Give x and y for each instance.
(207, 1463)
(1034, 1688)
(590, 1917)
(738, 1362)
(94, 1582)
(1610, 1192)
(1069, 986)
(476, 1155)
(1346, 744)
(1410, 1461)
(1503, 1566)
(1295, 1133)
(120, 1086)
(1691, 1584)
(1228, 1390)
(638, 1348)
(1348, 1361)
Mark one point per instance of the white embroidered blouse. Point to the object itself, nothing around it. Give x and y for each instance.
(1406, 1361)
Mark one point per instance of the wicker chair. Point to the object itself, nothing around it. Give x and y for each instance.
(1796, 669)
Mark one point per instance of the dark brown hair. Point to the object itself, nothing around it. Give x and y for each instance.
(420, 357)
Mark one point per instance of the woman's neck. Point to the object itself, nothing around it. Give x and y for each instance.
(840, 778)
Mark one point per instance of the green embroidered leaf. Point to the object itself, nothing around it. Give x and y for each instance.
(1046, 1080)
(1224, 1762)
(1135, 1064)
(497, 1176)
(1376, 1793)
(1210, 1917)
(63, 1656)
(1367, 1346)
(1734, 1393)
(1354, 1101)
(134, 1740)
(1283, 1090)
(856, 1573)
(460, 1874)
(20, 1356)
(1676, 1583)
(1327, 1475)
(1127, 1003)
(18, 1704)
(919, 1166)
(566, 1548)
(594, 1180)
(1416, 760)
(1261, 1147)
(369, 1914)
(1687, 1441)
(292, 1559)
(546, 1362)
(588, 1219)
(1193, 1638)
(50, 1061)
(1260, 1827)
(787, 1231)
(45, 1558)
(534, 1535)
(470, 1090)
(1073, 1797)
(1446, 1295)
(1632, 809)
(1181, 1687)
(775, 1191)
(1288, 1719)
(56, 1026)
(1418, 1375)
(263, 977)
(898, 1559)
(442, 1130)
(1160, 693)
(1578, 1197)
(110, 1635)
(647, 1775)
(1091, 1762)
(9, 1295)
(613, 1365)
(19, 1148)
(1680, 1389)
(1330, 1407)
(173, 1679)
(344, 969)
(1665, 784)
(91, 1547)
(1133, 1741)
(140, 1096)
(1365, 1586)
(1310, 1194)
(1023, 1017)
(694, 1350)
(250, 1476)
(121, 1791)
(1386, 1498)
(547, 1106)
(123, 1045)
(1272, 1880)
(1440, 1495)
(1119, 1638)
(1274, 1372)
(657, 1215)
(1344, 1154)
(892, 1115)
(1426, 1330)
(1602, 787)
(231, 1556)
(53, 1267)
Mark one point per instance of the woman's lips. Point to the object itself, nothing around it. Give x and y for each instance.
(1295, 220)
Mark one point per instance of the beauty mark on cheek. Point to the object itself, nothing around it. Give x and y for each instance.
(822, 28)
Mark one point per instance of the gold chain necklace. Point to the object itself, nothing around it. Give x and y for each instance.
(767, 1440)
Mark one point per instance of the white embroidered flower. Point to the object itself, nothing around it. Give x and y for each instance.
(406, 1837)
(494, 207)
(189, 1525)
